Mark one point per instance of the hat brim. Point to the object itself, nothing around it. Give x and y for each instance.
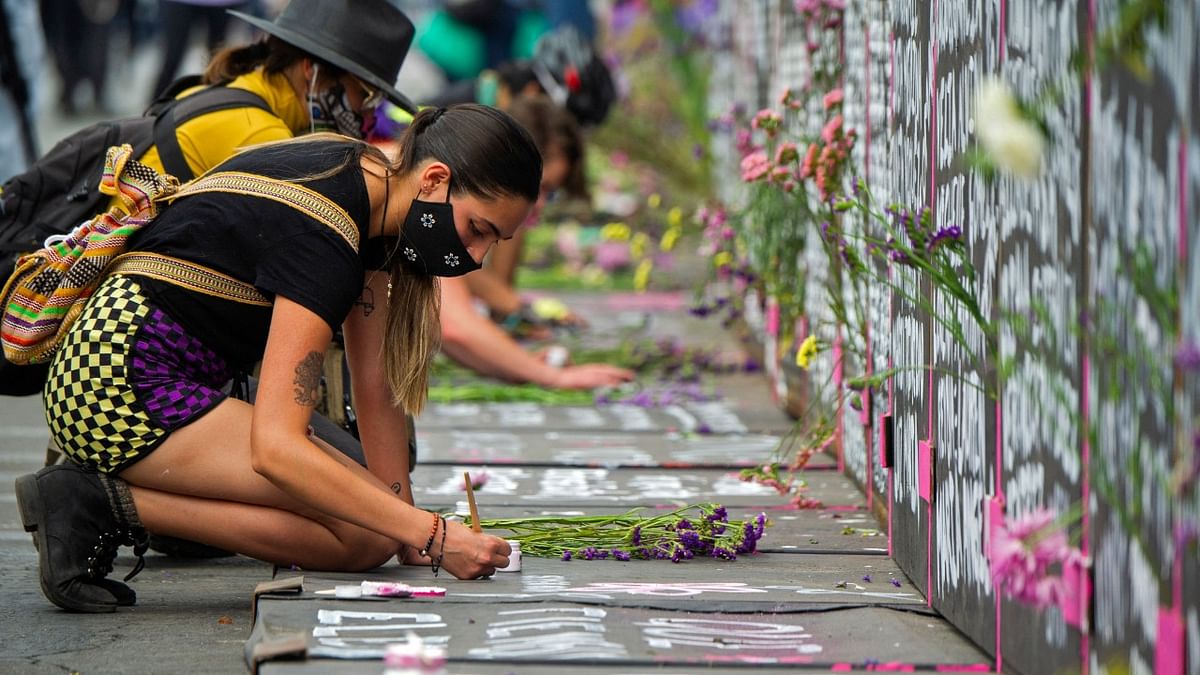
(306, 44)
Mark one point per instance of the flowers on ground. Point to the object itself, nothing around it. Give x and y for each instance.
(702, 530)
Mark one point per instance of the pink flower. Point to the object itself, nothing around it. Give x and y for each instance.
(767, 120)
(832, 98)
(832, 129)
(755, 166)
(810, 161)
(744, 142)
(786, 153)
(1020, 552)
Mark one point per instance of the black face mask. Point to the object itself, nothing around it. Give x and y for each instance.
(430, 243)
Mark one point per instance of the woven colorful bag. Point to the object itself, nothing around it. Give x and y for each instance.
(49, 287)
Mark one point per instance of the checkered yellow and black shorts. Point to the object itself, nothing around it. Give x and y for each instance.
(125, 377)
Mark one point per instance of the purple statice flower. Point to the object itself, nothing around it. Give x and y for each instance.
(703, 428)
(677, 555)
(684, 524)
(867, 578)
(624, 15)
(946, 234)
(623, 556)
(566, 554)
(636, 536)
(690, 539)
(718, 514)
(895, 582)
(898, 256)
(642, 399)
(700, 311)
(724, 553)
(694, 16)
(1187, 355)
(589, 553)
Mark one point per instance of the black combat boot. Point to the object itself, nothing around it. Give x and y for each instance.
(79, 520)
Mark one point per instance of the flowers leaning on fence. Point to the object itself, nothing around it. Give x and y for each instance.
(702, 530)
(1022, 551)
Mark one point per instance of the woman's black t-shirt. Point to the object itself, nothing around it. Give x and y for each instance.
(275, 247)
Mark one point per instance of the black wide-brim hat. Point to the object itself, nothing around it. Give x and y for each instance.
(367, 38)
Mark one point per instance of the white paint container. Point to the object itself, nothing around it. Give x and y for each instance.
(557, 356)
(514, 558)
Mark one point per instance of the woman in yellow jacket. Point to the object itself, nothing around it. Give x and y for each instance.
(325, 65)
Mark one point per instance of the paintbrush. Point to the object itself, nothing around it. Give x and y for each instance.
(471, 502)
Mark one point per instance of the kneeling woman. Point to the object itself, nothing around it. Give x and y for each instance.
(135, 393)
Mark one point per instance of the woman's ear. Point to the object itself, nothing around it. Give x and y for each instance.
(434, 176)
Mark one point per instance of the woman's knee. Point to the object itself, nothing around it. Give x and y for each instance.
(365, 550)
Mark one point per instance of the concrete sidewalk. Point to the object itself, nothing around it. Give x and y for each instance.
(821, 595)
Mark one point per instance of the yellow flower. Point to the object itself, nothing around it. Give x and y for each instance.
(551, 309)
(615, 232)
(808, 349)
(654, 200)
(641, 277)
(675, 217)
(723, 259)
(669, 238)
(637, 245)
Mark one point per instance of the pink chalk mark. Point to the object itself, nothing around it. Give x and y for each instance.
(992, 520)
(652, 300)
(1168, 647)
(1077, 584)
(924, 470)
(772, 317)
(837, 362)
(963, 667)
(1085, 524)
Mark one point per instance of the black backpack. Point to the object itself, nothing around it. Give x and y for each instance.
(60, 190)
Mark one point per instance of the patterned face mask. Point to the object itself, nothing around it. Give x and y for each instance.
(330, 110)
(430, 243)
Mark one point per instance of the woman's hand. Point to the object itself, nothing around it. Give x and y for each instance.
(469, 554)
(590, 376)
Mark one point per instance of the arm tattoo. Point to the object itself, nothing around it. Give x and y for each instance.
(308, 379)
(397, 487)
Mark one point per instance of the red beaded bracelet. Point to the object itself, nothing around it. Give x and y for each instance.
(432, 534)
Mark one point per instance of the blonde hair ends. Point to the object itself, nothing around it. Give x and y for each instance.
(412, 338)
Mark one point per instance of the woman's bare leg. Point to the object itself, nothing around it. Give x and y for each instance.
(200, 485)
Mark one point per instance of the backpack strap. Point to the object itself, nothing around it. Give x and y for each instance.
(201, 279)
(316, 205)
(190, 107)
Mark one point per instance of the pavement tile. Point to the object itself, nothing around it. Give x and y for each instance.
(599, 448)
(518, 485)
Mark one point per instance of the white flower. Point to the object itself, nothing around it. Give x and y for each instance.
(410, 254)
(451, 260)
(1013, 142)
(427, 219)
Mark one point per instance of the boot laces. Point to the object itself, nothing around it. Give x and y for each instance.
(104, 552)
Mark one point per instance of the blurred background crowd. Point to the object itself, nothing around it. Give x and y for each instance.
(67, 64)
